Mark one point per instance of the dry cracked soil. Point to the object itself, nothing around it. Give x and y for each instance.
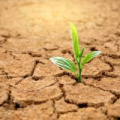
(31, 87)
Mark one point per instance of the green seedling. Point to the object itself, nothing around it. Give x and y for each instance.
(78, 54)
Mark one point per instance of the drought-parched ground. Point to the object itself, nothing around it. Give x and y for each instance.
(31, 87)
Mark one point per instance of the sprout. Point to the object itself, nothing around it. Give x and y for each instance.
(78, 54)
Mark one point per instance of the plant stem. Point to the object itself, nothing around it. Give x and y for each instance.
(79, 74)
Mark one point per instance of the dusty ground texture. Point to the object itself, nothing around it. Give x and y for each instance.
(31, 87)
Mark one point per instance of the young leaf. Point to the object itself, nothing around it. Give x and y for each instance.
(75, 41)
(89, 57)
(64, 63)
(82, 52)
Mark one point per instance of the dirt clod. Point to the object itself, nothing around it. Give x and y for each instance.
(84, 114)
(83, 94)
(29, 91)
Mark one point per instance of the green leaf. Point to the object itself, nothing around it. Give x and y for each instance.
(89, 57)
(64, 63)
(82, 52)
(75, 41)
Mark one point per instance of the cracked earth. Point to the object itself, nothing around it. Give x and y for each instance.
(33, 88)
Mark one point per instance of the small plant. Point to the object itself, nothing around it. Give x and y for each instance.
(78, 54)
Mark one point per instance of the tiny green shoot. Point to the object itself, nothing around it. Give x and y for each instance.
(78, 54)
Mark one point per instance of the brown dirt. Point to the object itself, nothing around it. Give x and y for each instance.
(31, 87)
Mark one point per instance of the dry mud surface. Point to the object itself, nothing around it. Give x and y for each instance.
(31, 87)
